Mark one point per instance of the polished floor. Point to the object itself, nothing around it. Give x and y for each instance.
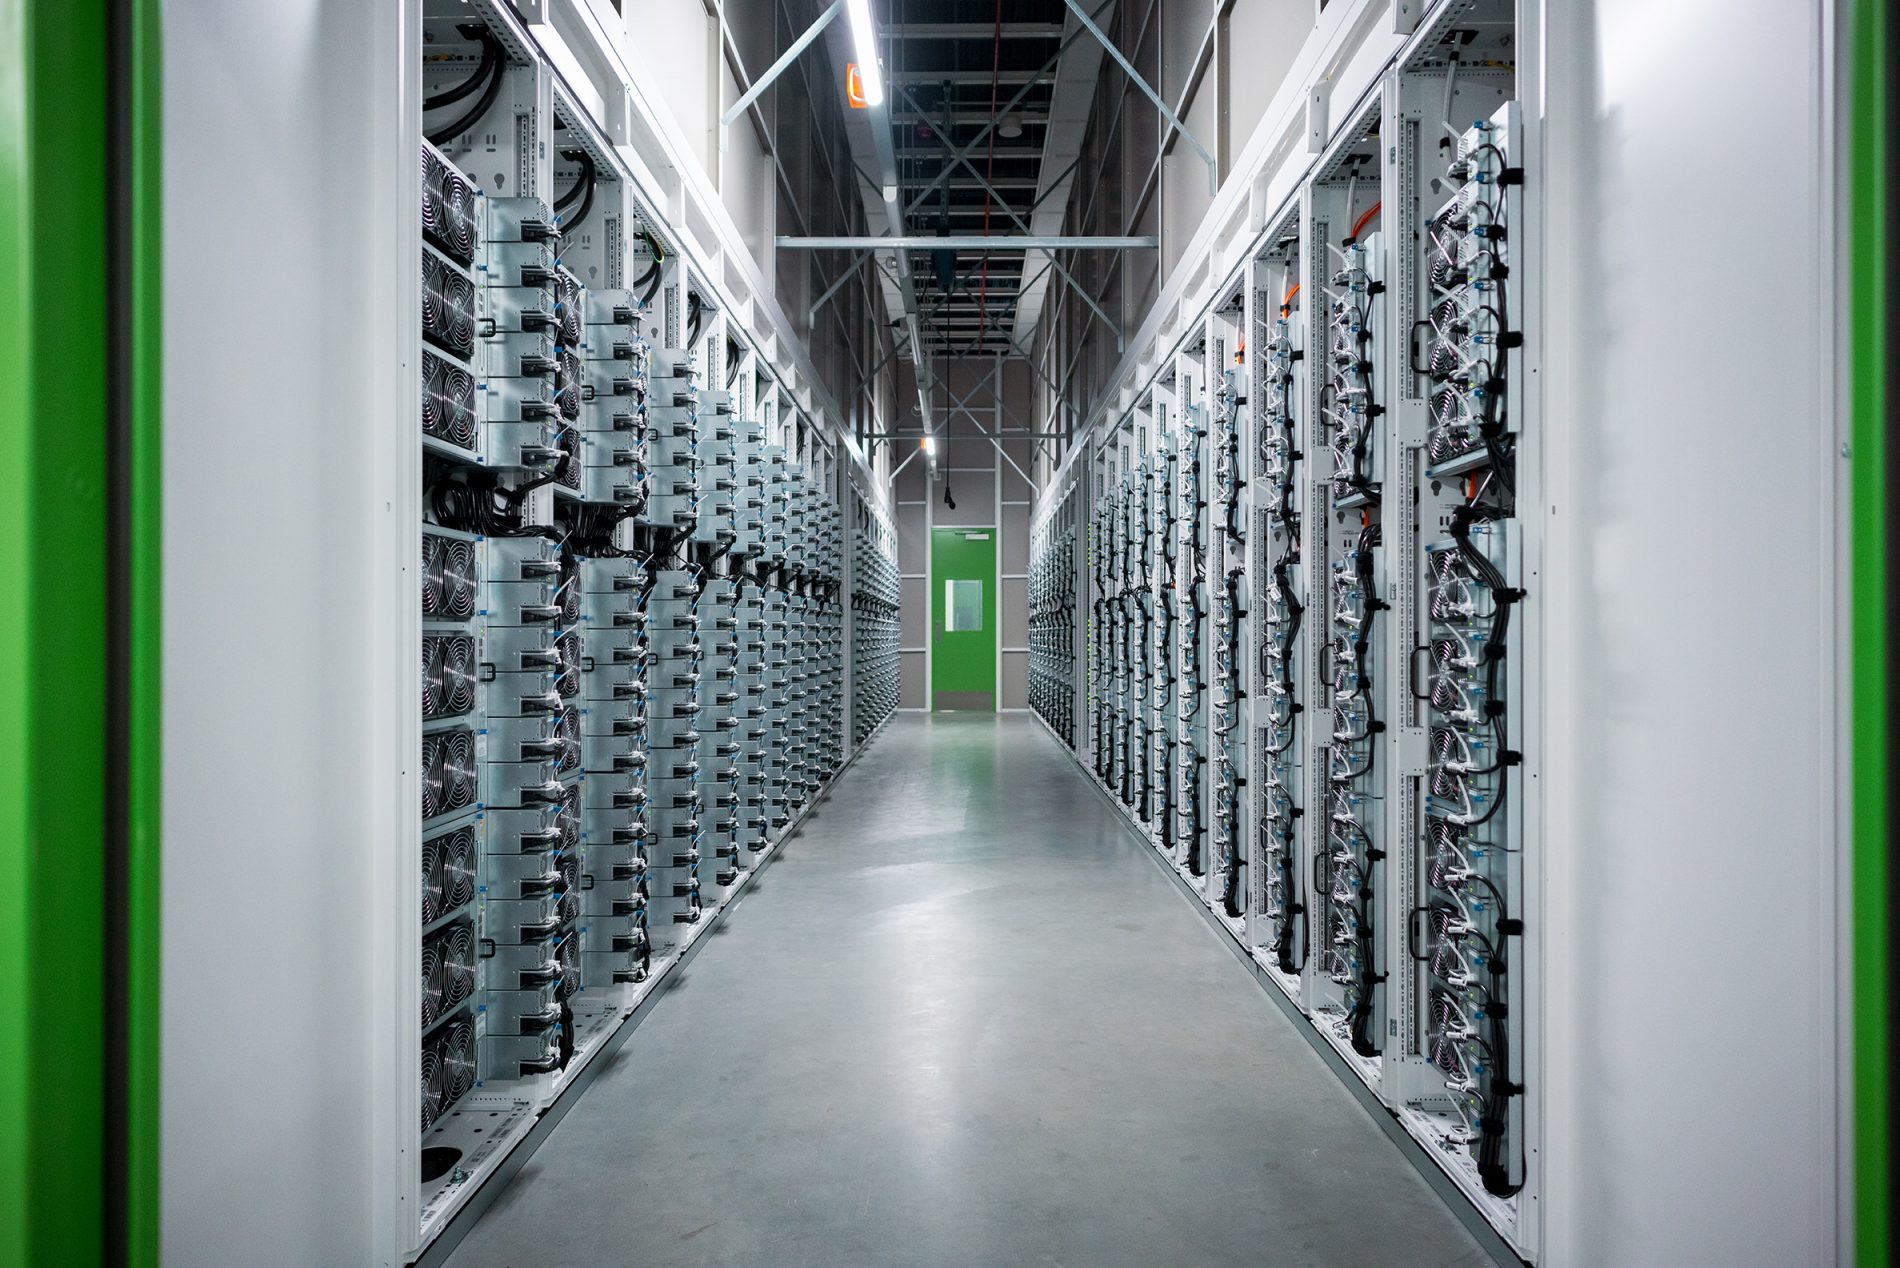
(962, 1021)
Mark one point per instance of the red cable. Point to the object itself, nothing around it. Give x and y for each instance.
(989, 180)
(1361, 223)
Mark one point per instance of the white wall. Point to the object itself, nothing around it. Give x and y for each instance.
(279, 798)
(1695, 474)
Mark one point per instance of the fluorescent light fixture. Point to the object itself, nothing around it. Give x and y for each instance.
(864, 35)
(930, 444)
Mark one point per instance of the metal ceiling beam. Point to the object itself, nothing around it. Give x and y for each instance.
(977, 242)
(1001, 182)
(1012, 154)
(970, 117)
(974, 30)
(962, 77)
(891, 437)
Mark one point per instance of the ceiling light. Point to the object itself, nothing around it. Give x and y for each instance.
(864, 35)
(1011, 127)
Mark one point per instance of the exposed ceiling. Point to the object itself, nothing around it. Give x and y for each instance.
(946, 65)
(952, 66)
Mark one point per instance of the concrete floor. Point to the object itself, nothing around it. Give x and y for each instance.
(964, 1022)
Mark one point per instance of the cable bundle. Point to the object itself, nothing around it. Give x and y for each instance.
(1347, 400)
(1352, 850)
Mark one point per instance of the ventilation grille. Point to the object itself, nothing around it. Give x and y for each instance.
(448, 772)
(448, 578)
(448, 208)
(568, 730)
(448, 970)
(568, 648)
(448, 1069)
(448, 402)
(448, 307)
(448, 675)
(567, 307)
(448, 873)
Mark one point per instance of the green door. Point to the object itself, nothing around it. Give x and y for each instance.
(963, 618)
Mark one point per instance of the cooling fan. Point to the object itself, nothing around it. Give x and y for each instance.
(458, 868)
(448, 1070)
(568, 441)
(448, 971)
(448, 578)
(458, 1058)
(432, 981)
(448, 401)
(448, 771)
(458, 963)
(568, 818)
(448, 675)
(448, 208)
(569, 594)
(568, 377)
(568, 649)
(448, 307)
(570, 958)
(433, 878)
(567, 729)
(569, 300)
(432, 1082)
(448, 873)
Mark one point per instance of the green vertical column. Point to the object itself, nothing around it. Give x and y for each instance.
(78, 840)
(1871, 455)
(138, 551)
(53, 519)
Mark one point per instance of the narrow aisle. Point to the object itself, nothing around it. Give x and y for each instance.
(964, 1022)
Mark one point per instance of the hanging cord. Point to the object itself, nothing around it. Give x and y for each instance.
(989, 176)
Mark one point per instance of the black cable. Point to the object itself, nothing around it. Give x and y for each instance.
(491, 54)
(498, 73)
(583, 192)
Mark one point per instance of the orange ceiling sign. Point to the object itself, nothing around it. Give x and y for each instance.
(854, 87)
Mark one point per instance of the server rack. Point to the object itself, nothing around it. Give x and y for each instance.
(634, 586)
(1310, 577)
